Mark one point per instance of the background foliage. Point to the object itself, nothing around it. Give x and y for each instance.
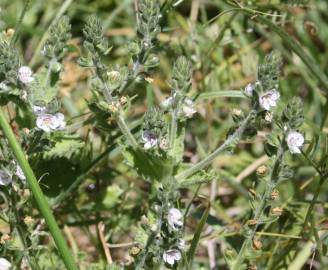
(93, 190)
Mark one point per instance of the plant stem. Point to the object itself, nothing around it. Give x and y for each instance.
(314, 199)
(260, 209)
(40, 199)
(108, 96)
(173, 128)
(126, 131)
(231, 140)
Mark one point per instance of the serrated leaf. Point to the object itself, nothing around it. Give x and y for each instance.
(64, 148)
(148, 165)
(40, 91)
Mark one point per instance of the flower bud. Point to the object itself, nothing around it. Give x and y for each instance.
(251, 222)
(28, 220)
(277, 211)
(257, 244)
(274, 194)
(262, 170)
(5, 238)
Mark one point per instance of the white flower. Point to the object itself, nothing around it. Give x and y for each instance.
(295, 141)
(19, 173)
(5, 179)
(49, 122)
(25, 74)
(149, 139)
(4, 264)
(167, 103)
(188, 108)
(269, 99)
(39, 109)
(171, 256)
(181, 244)
(174, 218)
(249, 89)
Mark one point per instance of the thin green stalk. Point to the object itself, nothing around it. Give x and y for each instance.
(313, 201)
(41, 201)
(260, 209)
(126, 131)
(231, 140)
(19, 23)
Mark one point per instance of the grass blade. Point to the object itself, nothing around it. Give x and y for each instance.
(195, 240)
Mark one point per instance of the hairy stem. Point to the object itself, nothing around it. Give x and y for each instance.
(40, 199)
(231, 140)
(260, 209)
(173, 128)
(126, 131)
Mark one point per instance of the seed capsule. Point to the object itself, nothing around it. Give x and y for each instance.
(262, 170)
(257, 244)
(276, 211)
(274, 194)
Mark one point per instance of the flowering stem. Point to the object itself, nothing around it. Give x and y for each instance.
(260, 209)
(231, 140)
(120, 120)
(40, 199)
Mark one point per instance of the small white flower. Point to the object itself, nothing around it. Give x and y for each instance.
(5, 179)
(249, 89)
(149, 139)
(171, 256)
(49, 122)
(174, 218)
(167, 103)
(295, 141)
(181, 244)
(269, 99)
(188, 108)
(39, 109)
(19, 173)
(25, 74)
(4, 264)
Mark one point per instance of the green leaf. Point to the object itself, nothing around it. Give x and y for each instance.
(195, 240)
(221, 94)
(41, 91)
(65, 148)
(147, 164)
